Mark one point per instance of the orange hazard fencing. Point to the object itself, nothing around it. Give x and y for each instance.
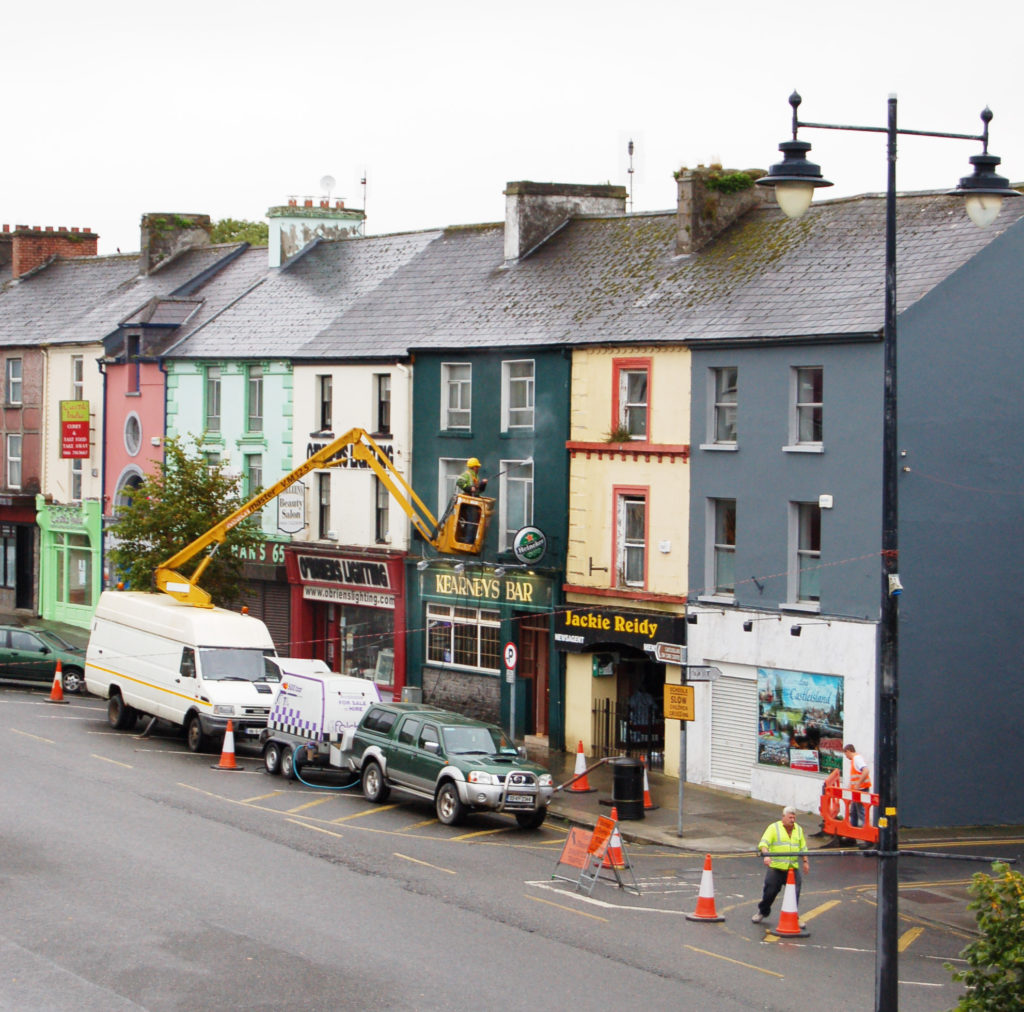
(837, 806)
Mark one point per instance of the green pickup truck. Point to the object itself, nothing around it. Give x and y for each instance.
(460, 764)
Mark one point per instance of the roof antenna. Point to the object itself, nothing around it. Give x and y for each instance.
(327, 184)
(362, 183)
(629, 149)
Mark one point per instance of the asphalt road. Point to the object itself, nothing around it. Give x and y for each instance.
(135, 875)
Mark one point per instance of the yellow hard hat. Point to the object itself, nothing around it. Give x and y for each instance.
(472, 462)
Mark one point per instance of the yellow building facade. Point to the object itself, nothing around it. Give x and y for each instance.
(626, 580)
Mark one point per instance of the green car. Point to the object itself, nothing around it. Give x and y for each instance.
(460, 764)
(30, 654)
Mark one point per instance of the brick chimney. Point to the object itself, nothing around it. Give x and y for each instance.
(534, 210)
(24, 248)
(291, 227)
(711, 199)
(164, 236)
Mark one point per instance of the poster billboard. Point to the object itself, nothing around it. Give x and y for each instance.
(74, 429)
(800, 720)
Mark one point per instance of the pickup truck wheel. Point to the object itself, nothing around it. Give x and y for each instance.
(375, 787)
(120, 715)
(272, 757)
(532, 820)
(195, 737)
(449, 806)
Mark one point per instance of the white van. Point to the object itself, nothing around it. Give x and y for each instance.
(149, 654)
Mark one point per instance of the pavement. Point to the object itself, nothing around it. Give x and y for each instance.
(718, 821)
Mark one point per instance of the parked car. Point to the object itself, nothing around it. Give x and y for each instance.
(30, 653)
(460, 764)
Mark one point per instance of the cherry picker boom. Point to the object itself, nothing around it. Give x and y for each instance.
(461, 529)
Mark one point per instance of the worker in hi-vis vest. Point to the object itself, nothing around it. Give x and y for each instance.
(784, 847)
(860, 780)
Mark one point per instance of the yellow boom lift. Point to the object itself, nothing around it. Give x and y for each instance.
(461, 529)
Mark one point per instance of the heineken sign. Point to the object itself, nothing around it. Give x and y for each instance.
(529, 545)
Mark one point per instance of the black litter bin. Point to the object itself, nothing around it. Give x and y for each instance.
(628, 787)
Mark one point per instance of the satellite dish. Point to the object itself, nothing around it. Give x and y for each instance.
(327, 184)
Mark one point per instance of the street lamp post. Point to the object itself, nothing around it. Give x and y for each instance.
(795, 179)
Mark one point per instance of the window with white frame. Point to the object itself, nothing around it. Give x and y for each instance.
(463, 637)
(806, 542)
(254, 384)
(14, 461)
(78, 377)
(723, 546)
(448, 471)
(76, 479)
(382, 513)
(807, 417)
(13, 381)
(515, 507)
(631, 539)
(213, 398)
(517, 394)
(382, 384)
(325, 399)
(456, 395)
(632, 399)
(133, 434)
(724, 388)
(252, 476)
(323, 486)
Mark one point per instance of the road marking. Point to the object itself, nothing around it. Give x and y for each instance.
(481, 832)
(817, 911)
(921, 983)
(34, 737)
(908, 938)
(738, 962)
(426, 864)
(103, 758)
(368, 811)
(579, 913)
(420, 825)
(261, 797)
(546, 884)
(319, 829)
(309, 804)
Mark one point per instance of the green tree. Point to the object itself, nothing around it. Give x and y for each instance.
(236, 230)
(994, 976)
(182, 500)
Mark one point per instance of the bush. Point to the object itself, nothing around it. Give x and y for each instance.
(994, 976)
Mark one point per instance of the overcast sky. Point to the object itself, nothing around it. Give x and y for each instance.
(116, 108)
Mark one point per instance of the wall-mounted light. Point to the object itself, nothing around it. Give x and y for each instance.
(691, 618)
(423, 564)
(460, 567)
(748, 625)
(499, 570)
(794, 630)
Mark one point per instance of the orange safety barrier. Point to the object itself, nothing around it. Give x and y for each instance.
(835, 797)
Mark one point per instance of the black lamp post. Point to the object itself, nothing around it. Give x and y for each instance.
(795, 179)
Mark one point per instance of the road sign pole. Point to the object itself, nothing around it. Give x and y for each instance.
(682, 761)
(511, 656)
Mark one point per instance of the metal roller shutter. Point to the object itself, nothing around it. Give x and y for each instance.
(271, 603)
(733, 731)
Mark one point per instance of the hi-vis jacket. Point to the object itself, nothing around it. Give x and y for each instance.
(782, 847)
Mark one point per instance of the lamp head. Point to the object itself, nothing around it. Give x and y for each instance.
(794, 178)
(984, 190)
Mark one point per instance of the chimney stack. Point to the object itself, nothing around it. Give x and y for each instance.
(24, 248)
(164, 236)
(291, 227)
(710, 200)
(534, 210)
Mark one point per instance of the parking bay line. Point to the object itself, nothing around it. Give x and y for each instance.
(310, 825)
(367, 811)
(426, 864)
(34, 737)
(481, 832)
(309, 804)
(116, 762)
(907, 939)
(561, 906)
(261, 797)
(738, 962)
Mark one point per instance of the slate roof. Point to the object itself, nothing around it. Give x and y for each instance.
(294, 303)
(618, 280)
(82, 300)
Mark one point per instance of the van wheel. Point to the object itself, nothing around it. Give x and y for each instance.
(120, 715)
(272, 757)
(287, 762)
(375, 787)
(195, 736)
(449, 807)
(72, 680)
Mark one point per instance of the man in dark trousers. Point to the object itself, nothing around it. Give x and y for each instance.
(784, 847)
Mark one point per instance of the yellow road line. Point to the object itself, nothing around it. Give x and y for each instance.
(367, 811)
(738, 962)
(426, 864)
(309, 804)
(817, 911)
(579, 913)
(309, 825)
(34, 737)
(481, 832)
(420, 825)
(908, 938)
(103, 758)
(261, 797)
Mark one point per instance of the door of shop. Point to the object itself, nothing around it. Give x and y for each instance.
(535, 666)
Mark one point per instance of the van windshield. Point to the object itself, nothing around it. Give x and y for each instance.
(237, 663)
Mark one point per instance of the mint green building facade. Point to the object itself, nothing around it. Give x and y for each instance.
(70, 560)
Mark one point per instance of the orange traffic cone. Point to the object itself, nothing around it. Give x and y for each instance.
(57, 689)
(227, 755)
(706, 897)
(648, 802)
(581, 785)
(789, 919)
(614, 857)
